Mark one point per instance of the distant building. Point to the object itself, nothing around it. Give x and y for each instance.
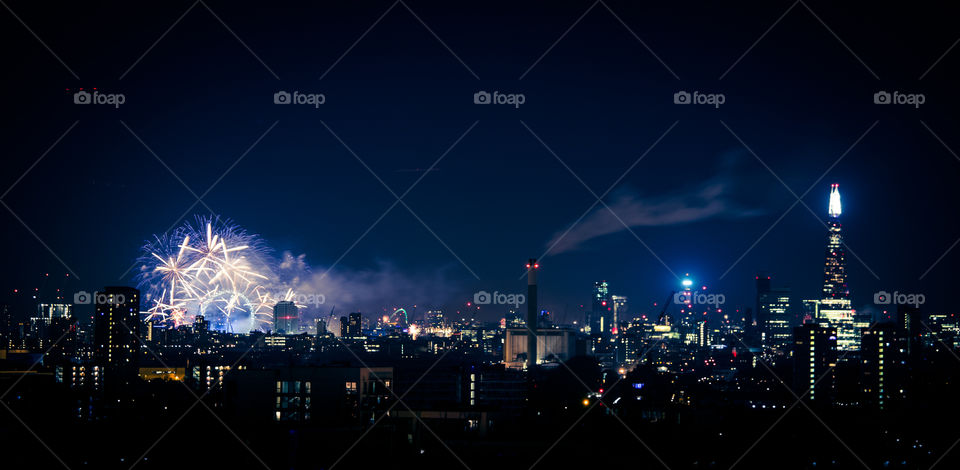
(286, 318)
(601, 315)
(815, 359)
(774, 308)
(552, 344)
(351, 327)
(433, 319)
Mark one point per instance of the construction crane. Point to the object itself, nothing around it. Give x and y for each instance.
(666, 305)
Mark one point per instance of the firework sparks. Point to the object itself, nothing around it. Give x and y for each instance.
(211, 268)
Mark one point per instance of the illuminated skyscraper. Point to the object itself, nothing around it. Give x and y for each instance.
(286, 318)
(835, 308)
(601, 316)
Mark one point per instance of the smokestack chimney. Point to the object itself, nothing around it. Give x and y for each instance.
(532, 317)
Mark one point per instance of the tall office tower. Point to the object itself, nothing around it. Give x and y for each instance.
(355, 325)
(321, 327)
(344, 327)
(286, 318)
(116, 330)
(773, 306)
(835, 307)
(763, 288)
(880, 365)
(815, 359)
(601, 315)
(619, 310)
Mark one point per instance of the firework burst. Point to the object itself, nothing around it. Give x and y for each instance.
(212, 268)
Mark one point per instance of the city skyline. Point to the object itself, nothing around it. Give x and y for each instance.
(531, 235)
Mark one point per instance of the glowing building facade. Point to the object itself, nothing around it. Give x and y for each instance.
(286, 318)
(835, 308)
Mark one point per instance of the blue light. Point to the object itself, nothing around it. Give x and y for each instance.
(686, 282)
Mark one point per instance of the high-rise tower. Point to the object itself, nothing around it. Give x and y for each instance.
(835, 307)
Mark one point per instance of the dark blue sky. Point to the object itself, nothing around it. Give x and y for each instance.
(399, 99)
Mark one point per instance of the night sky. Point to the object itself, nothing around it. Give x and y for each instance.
(200, 96)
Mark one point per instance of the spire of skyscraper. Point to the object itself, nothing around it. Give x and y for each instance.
(835, 269)
(834, 200)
